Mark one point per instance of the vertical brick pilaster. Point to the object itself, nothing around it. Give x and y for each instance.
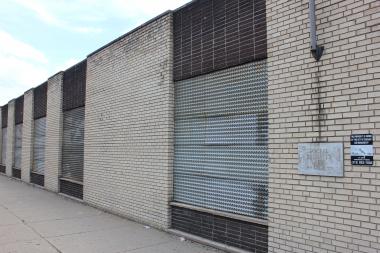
(170, 119)
(27, 137)
(53, 132)
(128, 153)
(10, 137)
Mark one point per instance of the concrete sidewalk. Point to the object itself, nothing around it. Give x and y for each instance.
(33, 220)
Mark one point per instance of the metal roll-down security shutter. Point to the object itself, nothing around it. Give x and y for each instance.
(38, 169)
(3, 150)
(19, 116)
(221, 150)
(74, 95)
(4, 124)
(17, 151)
(73, 151)
(37, 175)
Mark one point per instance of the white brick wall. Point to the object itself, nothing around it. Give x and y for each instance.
(27, 137)
(313, 213)
(129, 125)
(53, 148)
(10, 137)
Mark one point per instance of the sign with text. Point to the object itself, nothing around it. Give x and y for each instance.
(322, 159)
(362, 149)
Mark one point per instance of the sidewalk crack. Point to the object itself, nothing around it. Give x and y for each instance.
(30, 227)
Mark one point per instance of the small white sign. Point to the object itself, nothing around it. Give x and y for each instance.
(361, 150)
(322, 159)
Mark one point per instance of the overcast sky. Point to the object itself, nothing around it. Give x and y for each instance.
(38, 38)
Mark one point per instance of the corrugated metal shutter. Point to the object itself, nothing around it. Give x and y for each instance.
(39, 146)
(4, 146)
(73, 144)
(4, 116)
(221, 147)
(18, 147)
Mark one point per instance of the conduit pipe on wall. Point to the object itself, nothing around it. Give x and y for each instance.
(316, 51)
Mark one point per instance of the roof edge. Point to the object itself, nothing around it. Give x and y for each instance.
(185, 5)
(130, 32)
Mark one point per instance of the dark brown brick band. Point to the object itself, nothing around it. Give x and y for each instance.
(240, 234)
(4, 116)
(37, 179)
(19, 110)
(72, 189)
(74, 86)
(211, 35)
(16, 173)
(40, 101)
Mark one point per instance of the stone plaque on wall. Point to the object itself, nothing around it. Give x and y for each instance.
(322, 159)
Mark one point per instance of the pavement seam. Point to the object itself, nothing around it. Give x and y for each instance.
(9, 243)
(7, 225)
(68, 218)
(36, 232)
(43, 238)
(148, 246)
(85, 232)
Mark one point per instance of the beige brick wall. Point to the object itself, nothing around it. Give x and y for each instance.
(27, 137)
(129, 125)
(53, 148)
(10, 137)
(314, 213)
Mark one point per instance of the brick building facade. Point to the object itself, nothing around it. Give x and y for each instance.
(193, 123)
